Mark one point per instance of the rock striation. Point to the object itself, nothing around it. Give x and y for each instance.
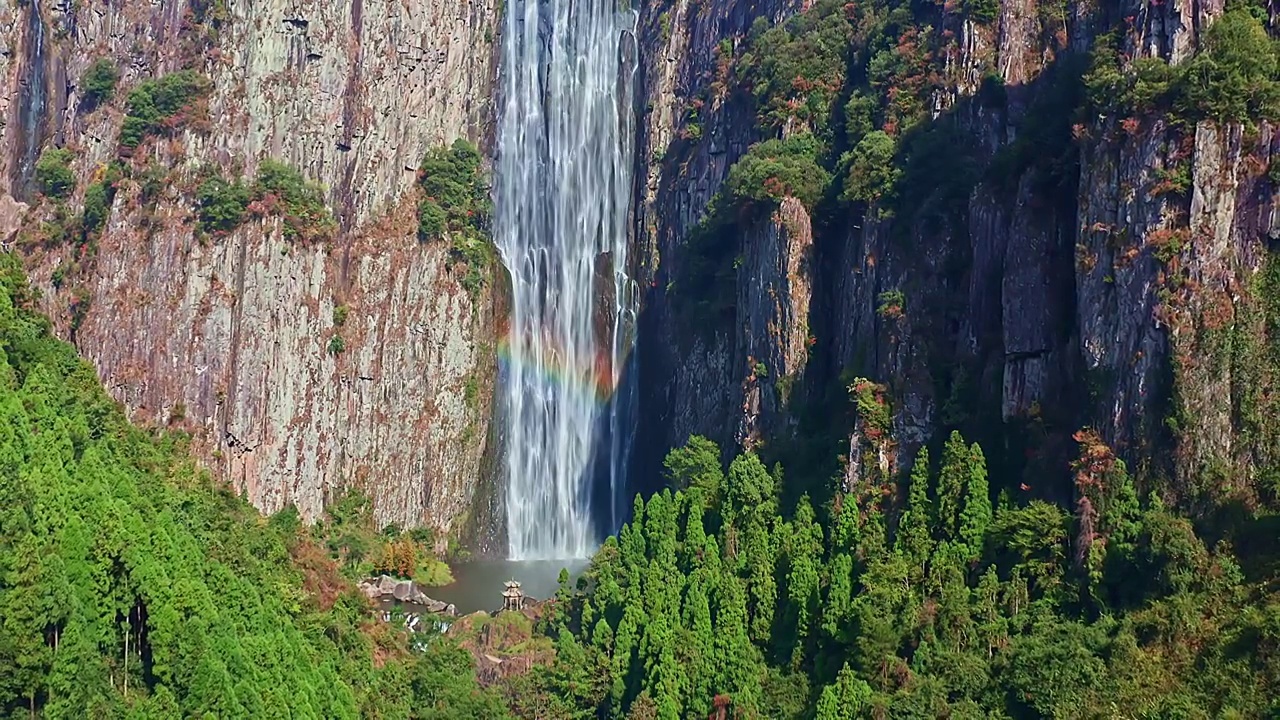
(229, 337)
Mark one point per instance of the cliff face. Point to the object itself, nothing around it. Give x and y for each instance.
(231, 336)
(692, 132)
(1113, 280)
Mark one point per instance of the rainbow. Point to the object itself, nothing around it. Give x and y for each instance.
(594, 376)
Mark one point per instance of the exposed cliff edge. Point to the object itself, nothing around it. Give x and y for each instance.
(232, 334)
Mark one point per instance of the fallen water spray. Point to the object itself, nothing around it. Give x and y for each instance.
(562, 194)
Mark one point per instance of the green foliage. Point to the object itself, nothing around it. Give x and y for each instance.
(1235, 77)
(796, 70)
(455, 192)
(455, 203)
(98, 198)
(859, 117)
(159, 105)
(222, 204)
(891, 304)
(53, 173)
(136, 586)
(776, 169)
(695, 467)
(278, 191)
(281, 189)
(336, 345)
(98, 83)
(973, 614)
(983, 11)
(872, 172)
(340, 313)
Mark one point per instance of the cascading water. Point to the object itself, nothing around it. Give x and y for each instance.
(562, 199)
(33, 102)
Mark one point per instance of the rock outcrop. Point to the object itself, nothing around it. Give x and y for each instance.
(387, 588)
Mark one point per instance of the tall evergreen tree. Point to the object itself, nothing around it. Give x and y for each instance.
(913, 540)
(952, 477)
(977, 513)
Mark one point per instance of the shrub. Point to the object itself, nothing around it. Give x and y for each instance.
(99, 82)
(455, 201)
(892, 304)
(983, 11)
(340, 313)
(156, 105)
(337, 345)
(872, 172)
(282, 188)
(775, 169)
(859, 117)
(455, 194)
(222, 204)
(53, 172)
(796, 69)
(1234, 77)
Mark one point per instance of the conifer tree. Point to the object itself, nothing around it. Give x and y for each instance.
(952, 477)
(804, 552)
(977, 513)
(913, 540)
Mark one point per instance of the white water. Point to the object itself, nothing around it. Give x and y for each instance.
(562, 200)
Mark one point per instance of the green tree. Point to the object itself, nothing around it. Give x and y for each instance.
(977, 513)
(53, 173)
(872, 173)
(696, 465)
(1234, 78)
(913, 539)
(956, 470)
(99, 82)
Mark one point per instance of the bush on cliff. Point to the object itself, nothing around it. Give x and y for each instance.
(53, 172)
(160, 105)
(99, 82)
(776, 169)
(222, 204)
(455, 194)
(455, 203)
(279, 190)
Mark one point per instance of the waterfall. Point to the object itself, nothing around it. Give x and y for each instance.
(562, 193)
(33, 102)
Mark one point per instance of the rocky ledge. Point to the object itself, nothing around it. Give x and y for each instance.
(387, 588)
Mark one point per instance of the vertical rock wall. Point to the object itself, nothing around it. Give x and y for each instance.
(229, 337)
(1116, 300)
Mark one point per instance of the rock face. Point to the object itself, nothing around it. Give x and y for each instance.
(1117, 299)
(229, 336)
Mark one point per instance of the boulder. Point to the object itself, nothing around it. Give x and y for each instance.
(402, 591)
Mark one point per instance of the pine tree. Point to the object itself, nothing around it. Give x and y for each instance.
(696, 615)
(737, 672)
(977, 513)
(913, 539)
(804, 553)
(952, 478)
